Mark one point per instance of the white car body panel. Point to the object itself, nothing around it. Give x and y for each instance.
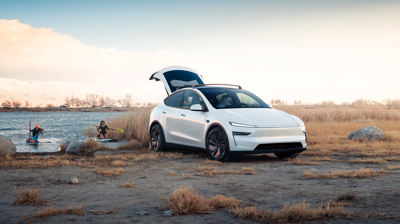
(261, 126)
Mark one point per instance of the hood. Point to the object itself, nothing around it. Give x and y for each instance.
(175, 77)
(260, 117)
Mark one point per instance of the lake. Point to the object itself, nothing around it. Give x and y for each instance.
(58, 126)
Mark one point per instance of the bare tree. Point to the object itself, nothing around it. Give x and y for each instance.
(77, 102)
(67, 101)
(128, 100)
(16, 103)
(121, 102)
(6, 104)
(26, 103)
(93, 99)
(102, 101)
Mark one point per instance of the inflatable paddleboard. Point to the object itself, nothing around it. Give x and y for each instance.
(107, 140)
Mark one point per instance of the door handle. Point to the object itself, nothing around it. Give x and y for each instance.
(164, 112)
(183, 115)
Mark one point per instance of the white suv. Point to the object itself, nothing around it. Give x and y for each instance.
(222, 119)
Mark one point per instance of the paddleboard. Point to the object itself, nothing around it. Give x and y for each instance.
(108, 140)
(32, 142)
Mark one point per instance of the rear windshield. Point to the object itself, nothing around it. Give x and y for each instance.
(179, 78)
(223, 98)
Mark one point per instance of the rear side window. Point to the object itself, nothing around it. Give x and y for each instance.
(174, 100)
(191, 98)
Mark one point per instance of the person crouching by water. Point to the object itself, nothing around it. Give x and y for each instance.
(35, 133)
(103, 130)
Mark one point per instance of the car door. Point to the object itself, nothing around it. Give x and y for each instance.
(192, 124)
(174, 77)
(170, 116)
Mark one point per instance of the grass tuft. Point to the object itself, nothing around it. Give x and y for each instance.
(53, 211)
(29, 196)
(348, 196)
(360, 174)
(111, 172)
(299, 212)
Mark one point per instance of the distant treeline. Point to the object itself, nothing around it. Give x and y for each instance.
(387, 103)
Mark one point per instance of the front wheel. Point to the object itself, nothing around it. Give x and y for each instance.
(157, 141)
(217, 145)
(287, 155)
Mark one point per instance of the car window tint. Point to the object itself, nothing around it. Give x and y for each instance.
(174, 100)
(179, 78)
(190, 98)
(222, 98)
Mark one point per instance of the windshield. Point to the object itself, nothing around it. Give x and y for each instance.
(180, 78)
(223, 98)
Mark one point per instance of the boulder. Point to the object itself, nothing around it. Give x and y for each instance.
(73, 180)
(73, 147)
(368, 132)
(7, 146)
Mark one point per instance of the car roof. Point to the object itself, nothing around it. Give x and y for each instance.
(209, 86)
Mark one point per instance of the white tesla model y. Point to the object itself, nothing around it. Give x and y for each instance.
(222, 119)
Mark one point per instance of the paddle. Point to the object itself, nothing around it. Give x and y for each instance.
(30, 129)
(119, 130)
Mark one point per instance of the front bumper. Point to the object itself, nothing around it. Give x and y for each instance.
(268, 140)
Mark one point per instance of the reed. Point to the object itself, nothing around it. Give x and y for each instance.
(29, 196)
(339, 113)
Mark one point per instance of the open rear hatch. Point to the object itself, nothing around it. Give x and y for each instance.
(175, 77)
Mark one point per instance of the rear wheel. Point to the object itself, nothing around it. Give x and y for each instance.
(217, 145)
(286, 155)
(157, 141)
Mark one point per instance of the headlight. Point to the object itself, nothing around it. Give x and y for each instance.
(242, 125)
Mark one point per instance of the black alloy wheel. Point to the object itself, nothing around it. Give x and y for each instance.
(157, 138)
(217, 145)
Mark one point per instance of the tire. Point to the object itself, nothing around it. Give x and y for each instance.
(157, 140)
(287, 155)
(217, 145)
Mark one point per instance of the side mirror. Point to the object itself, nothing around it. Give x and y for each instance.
(196, 107)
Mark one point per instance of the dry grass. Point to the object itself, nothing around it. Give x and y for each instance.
(302, 162)
(27, 162)
(326, 139)
(118, 163)
(347, 196)
(299, 212)
(131, 145)
(369, 160)
(394, 167)
(188, 176)
(111, 172)
(336, 174)
(135, 126)
(187, 201)
(325, 158)
(213, 171)
(338, 113)
(171, 173)
(127, 184)
(53, 211)
(29, 196)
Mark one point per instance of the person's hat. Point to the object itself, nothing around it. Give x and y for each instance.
(37, 126)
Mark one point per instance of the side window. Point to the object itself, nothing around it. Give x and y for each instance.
(174, 100)
(190, 98)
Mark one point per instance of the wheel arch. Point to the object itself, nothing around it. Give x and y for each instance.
(212, 126)
(155, 122)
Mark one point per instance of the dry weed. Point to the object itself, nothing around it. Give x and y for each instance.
(111, 172)
(53, 211)
(299, 212)
(301, 162)
(127, 184)
(131, 145)
(188, 176)
(369, 160)
(213, 171)
(29, 196)
(187, 201)
(348, 196)
(171, 173)
(336, 174)
(394, 167)
(325, 158)
(118, 163)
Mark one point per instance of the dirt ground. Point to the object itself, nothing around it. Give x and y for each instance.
(273, 184)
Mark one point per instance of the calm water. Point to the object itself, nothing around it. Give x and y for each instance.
(58, 126)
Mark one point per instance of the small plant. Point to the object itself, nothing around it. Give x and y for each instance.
(127, 184)
(111, 172)
(348, 196)
(29, 196)
(171, 173)
(53, 211)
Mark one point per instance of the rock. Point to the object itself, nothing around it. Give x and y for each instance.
(73, 180)
(7, 146)
(73, 147)
(142, 213)
(167, 213)
(368, 132)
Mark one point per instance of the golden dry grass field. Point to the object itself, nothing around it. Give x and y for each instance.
(334, 181)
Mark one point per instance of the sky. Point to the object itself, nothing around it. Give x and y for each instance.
(308, 50)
